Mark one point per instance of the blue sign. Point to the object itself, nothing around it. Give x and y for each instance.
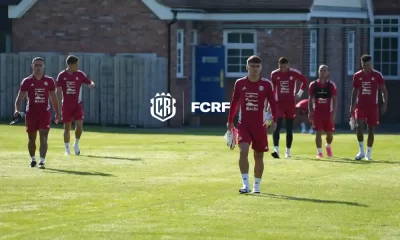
(210, 74)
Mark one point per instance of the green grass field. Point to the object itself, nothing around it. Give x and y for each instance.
(137, 184)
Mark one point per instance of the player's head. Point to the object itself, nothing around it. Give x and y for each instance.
(323, 72)
(283, 64)
(38, 65)
(253, 66)
(72, 62)
(366, 62)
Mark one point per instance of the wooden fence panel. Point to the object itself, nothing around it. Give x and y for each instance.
(124, 85)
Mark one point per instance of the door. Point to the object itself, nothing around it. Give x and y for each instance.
(210, 74)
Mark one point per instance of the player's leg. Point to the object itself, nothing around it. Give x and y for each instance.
(289, 135)
(329, 128)
(372, 122)
(260, 145)
(78, 117)
(276, 136)
(244, 145)
(31, 123)
(43, 135)
(67, 137)
(318, 127)
(360, 118)
(32, 147)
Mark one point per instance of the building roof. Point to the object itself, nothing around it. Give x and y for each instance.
(242, 5)
(9, 2)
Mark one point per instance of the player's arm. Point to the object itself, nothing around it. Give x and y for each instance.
(59, 91)
(87, 81)
(234, 103)
(310, 101)
(382, 88)
(334, 101)
(54, 101)
(272, 103)
(18, 101)
(303, 85)
(354, 94)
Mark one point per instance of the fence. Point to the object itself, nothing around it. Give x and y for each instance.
(124, 85)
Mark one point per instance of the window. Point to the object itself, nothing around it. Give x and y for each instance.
(239, 46)
(179, 52)
(386, 41)
(313, 53)
(193, 37)
(351, 37)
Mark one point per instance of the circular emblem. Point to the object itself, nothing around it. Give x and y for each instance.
(291, 78)
(373, 79)
(261, 88)
(45, 83)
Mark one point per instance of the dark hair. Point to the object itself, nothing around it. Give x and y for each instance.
(254, 59)
(366, 58)
(71, 59)
(38, 59)
(283, 60)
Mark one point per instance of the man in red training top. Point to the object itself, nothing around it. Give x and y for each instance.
(364, 103)
(302, 115)
(322, 106)
(69, 84)
(284, 80)
(252, 94)
(38, 88)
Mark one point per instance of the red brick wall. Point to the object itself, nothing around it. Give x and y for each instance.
(386, 7)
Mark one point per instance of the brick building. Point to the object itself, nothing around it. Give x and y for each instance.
(308, 32)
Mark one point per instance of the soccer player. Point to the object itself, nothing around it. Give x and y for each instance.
(284, 79)
(252, 94)
(38, 88)
(69, 84)
(322, 113)
(302, 115)
(364, 103)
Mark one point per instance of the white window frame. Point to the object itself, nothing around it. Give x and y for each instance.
(180, 33)
(313, 46)
(351, 38)
(237, 46)
(193, 37)
(387, 34)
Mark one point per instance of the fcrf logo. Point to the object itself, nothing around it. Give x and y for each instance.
(163, 107)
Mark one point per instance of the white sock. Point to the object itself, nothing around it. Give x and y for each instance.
(66, 145)
(33, 158)
(319, 150)
(41, 160)
(303, 126)
(76, 141)
(288, 151)
(245, 178)
(257, 182)
(369, 150)
(361, 147)
(276, 148)
(328, 145)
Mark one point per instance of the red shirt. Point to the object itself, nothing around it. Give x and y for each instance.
(367, 85)
(253, 99)
(71, 85)
(323, 104)
(37, 93)
(303, 104)
(285, 84)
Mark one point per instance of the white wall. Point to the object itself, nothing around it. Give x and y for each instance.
(339, 3)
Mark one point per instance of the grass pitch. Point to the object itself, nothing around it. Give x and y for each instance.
(140, 184)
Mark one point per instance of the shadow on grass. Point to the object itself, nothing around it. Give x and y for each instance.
(284, 197)
(343, 160)
(80, 173)
(114, 158)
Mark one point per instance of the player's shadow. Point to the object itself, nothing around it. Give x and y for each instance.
(284, 197)
(80, 173)
(343, 160)
(113, 157)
